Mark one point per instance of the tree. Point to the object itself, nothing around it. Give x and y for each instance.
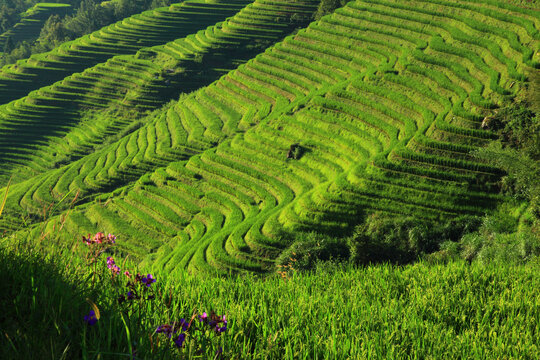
(8, 46)
(328, 7)
(54, 31)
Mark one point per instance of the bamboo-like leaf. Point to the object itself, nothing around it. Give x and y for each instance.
(5, 198)
(94, 307)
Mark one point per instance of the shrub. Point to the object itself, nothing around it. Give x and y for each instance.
(382, 238)
(328, 6)
(509, 248)
(500, 239)
(308, 249)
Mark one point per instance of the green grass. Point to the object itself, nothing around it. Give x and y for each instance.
(336, 312)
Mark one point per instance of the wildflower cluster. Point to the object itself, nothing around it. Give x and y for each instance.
(138, 286)
(99, 238)
(112, 266)
(97, 245)
(214, 322)
(200, 332)
(132, 292)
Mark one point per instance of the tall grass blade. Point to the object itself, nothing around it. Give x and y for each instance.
(60, 202)
(128, 334)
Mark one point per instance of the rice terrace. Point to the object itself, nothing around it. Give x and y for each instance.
(270, 179)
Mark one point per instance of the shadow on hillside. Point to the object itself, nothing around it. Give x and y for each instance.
(41, 312)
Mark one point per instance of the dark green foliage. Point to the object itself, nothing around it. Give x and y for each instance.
(507, 235)
(8, 16)
(40, 307)
(328, 6)
(311, 248)
(522, 171)
(519, 128)
(518, 150)
(54, 31)
(384, 238)
(497, 241)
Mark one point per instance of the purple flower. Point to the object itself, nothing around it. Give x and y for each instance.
(219, 352)
(91, 318)
(166, 329)
(148, 280)
(184, 324)
(203, 318)
(221, 330)
(115, 269)
(111, 265)
(110, 261)
(179, 342)
(130, 295)
(111, 238)
(88, 240)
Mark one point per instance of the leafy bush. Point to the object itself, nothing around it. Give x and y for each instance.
(311, 248)
(518, 153)
(328, 6)
(506, 236)
(404, 239)
(513, 248)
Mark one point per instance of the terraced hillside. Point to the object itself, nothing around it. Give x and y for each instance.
(32, 21)
(141, 81)
(378, 104)
(127, 36)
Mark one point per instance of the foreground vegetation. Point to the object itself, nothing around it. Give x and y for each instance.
(335, 312)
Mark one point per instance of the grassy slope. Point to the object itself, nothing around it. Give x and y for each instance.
(420, 311)
(134, 83)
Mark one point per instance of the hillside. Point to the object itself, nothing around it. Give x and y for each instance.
(31, 23)
(375, 107)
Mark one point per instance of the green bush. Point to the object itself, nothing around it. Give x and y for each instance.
(309, 249)
(401, 240)
(518, 154)
(328, 6)
(510, 248)
(506, 236)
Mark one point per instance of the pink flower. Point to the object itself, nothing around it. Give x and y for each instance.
(99, 237)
